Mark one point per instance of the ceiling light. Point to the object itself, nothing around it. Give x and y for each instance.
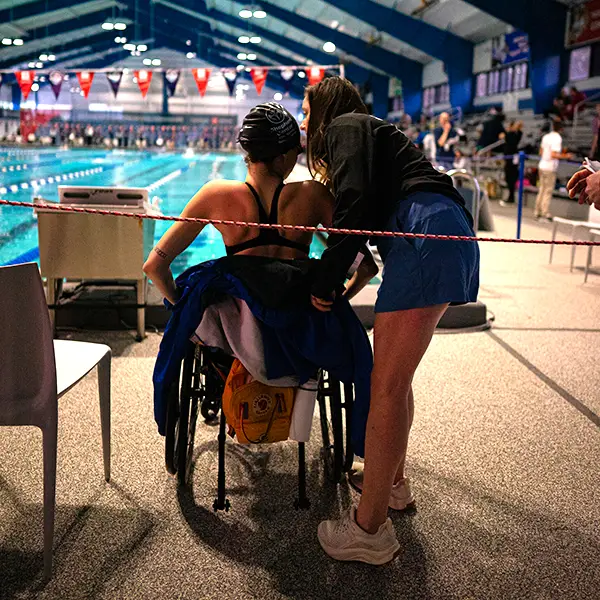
(18, 42)
(259, 14)
(129, 47)
(245, 13)
(147, 62)
(42, 78)
(242, 56)
(51, 57)
(35, 87)
(335, 24)
(108, 26)
(277, 96)
(31, 65)
(142, 47)
(43, 57)
(243, 39)
(118, 40)
(188, 43)
(251, 56)
(255, 40)
(6, 41)
(190, 55)
(120, 26)
(301, 74)
(132, 53)
(240, 67)
(39, 65)
(156, 62)
(329, 47)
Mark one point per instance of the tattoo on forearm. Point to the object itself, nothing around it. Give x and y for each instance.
(160, 252)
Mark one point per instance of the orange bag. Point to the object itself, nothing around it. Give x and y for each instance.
(256, 413)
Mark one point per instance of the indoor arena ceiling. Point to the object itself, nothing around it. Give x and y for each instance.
(292, 32)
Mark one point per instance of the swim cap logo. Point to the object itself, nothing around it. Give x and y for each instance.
(275, 117)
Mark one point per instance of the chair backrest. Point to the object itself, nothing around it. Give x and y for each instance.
(594, 215)
(27, 367)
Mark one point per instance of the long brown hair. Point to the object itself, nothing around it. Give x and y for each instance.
(327, 99)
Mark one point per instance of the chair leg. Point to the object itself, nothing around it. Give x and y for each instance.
(104, 393)
(49, 442)
(141, 312)
(52, 299)
(554, 228)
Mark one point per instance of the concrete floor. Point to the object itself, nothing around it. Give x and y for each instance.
(504, 459)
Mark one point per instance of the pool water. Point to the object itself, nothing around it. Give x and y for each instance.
(173, 177)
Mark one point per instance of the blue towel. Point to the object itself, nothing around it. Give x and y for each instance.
(297, 338)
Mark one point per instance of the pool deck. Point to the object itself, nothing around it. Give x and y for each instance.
(504, 461)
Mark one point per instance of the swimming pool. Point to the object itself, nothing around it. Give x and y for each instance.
(173, 177)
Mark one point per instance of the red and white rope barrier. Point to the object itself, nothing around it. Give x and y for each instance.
(364, 232)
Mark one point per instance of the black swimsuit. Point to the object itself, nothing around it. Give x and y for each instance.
(267, 237)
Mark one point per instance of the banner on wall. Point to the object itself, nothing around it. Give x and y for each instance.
(315, 74)
(583, 25)
(259, 76)
(143, 80)
(171, 78)
(509, 48)
(201, 76)
(114, 78)
(85, 81)
(287, 77)
(231, 76)
(56, 79)
(25, 81)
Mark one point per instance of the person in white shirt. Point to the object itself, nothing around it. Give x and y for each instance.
(551, 152)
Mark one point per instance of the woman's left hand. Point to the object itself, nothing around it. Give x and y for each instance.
(321, 305)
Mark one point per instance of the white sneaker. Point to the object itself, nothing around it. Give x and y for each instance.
(401, 497)
(345, 540)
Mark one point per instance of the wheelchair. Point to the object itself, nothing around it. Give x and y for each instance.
(199, 389)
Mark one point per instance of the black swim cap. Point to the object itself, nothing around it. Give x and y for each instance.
(268, 131)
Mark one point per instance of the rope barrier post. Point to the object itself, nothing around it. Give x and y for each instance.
(521, 192)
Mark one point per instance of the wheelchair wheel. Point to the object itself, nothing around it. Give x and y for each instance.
(330, 412)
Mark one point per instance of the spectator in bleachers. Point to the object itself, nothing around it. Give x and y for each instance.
(512, 140)
(493, 129)
(446, 137)
(551, 152)
(460, 160)
(575, 97)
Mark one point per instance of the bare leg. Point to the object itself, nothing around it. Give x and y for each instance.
(401, 339)
(411, 415)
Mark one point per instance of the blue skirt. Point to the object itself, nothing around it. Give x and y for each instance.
(425, 272)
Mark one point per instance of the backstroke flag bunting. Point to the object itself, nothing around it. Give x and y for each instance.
(114, 78)
(201, 76)
(315, 74)
(85, 81)
(56, 79)
(231, 76)
(259, 76)
(25, 81)
(171, 78)
(287, 77)
(143, 80)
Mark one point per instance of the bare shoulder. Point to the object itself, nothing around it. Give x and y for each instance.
(312, 188)
(208, 195)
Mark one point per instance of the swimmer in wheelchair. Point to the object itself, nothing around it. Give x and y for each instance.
(254, 306)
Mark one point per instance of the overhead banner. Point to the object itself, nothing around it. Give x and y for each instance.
(315, 74)
(114, 78)
(201, 76)
(56, 79)
(231, 76)
(584, 23)
(85, 81)
(171, 78)
(25, 81)
(510, 48)
(143, 80)
(259, 76)
(287, 77)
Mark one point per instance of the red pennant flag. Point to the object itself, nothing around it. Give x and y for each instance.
(315, 74)
(56, 79)
(25, 81)
(85, 81)
(201, 76)
(143, 80)
(259, 76)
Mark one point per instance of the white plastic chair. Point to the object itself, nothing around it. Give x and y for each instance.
(36, 371)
